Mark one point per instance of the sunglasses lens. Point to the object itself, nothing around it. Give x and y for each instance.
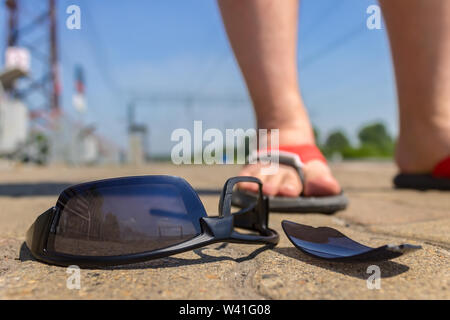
(323, 242)
(125, 216)
(329, 243)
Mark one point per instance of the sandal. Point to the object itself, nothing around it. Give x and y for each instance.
(438, 179)
(295, 156)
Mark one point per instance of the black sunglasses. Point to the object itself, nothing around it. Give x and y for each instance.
(134, 219)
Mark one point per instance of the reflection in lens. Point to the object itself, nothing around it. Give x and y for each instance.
(126, 215)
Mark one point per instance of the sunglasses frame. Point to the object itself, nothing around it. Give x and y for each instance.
(213, 229)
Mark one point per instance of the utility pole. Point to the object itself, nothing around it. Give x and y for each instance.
(13, 22)
(44, 51)
(54, 66)
(137, 138)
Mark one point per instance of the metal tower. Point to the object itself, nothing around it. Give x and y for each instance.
(32, 25)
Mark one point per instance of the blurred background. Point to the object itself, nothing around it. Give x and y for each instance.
(113, 91)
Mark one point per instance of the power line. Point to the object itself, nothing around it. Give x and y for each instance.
(100, 55)
(177, 97)
(215, 66)
(209, 74)
(319, 20)
(333, 45)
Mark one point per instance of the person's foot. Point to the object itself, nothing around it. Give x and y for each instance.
(422, 146)
(286, 182)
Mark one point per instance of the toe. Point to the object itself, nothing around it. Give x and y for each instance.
(272, 184)
(319, 180)
(249, 171)
(290, 185)
(286, 182)
(323, 186)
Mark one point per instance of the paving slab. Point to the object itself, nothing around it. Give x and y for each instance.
(437, 231)
(377, 215)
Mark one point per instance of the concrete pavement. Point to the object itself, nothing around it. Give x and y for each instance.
(377, 215)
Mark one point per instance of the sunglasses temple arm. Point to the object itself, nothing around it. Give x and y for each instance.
(227, 193)
(254, 218)
(270, 237)
(222, 229)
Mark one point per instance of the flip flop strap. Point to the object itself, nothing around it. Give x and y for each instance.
(306, 152)
(293, 160)
(296, 156)
(442, 169)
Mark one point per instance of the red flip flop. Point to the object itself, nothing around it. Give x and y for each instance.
(438, 179)
(294, 156)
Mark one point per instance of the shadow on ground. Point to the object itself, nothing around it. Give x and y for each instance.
(33, 189)
(168, 262)
(357, 270)
(55, 188)
(208, 192)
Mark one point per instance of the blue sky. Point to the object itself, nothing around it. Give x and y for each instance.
(179, 47)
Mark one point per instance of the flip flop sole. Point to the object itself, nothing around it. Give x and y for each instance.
(421, 182)
(327, 205)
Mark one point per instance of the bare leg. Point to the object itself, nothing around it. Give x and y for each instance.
(419, 31)
(263, 34)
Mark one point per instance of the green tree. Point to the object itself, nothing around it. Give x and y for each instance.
(376, 137)
(316, 134)
(337, 142)
(375, 134)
